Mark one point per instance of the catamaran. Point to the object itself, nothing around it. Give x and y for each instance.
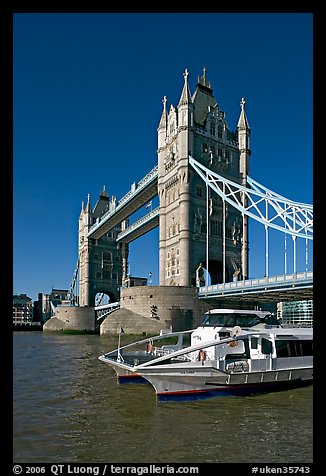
(233, 352)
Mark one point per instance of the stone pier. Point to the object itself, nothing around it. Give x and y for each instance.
(149, 309)
(72, 318)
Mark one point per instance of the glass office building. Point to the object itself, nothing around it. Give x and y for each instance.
(297, 312)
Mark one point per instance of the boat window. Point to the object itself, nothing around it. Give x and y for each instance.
(254, 342)
(239, 355)
(307, 347)
(244, 320)
(241, 319)
(223, 334)
(266, 346)
(293, 348)
(230, 320)
(219, 320)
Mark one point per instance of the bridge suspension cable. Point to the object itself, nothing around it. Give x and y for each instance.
(71, 295)
(260, 203)
(263, 205)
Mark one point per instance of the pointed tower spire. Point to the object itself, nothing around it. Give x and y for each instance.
(162, 128)
(82, 210)
(243, 121)
(88, 206)
(104, 193)
(163, 121)
(185, 95)
(203, 80)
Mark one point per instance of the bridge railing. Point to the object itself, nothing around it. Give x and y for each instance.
(153, 214)
(282, 279)
(135, 189)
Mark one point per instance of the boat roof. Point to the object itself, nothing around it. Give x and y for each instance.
(236, 311)
(280, 332)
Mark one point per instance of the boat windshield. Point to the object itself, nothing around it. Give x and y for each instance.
(234, 319)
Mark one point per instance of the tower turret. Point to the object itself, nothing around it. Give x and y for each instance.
(243, 131)
(162, 125)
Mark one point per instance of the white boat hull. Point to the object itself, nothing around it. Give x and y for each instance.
(200, 383)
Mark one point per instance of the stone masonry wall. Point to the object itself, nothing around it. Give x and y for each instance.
(176, 306)
(71, 318)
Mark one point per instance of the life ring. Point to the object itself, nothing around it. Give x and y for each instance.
(232, 343)
(201, 356)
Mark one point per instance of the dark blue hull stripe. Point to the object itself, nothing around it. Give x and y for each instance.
(234, 390)
(131, 379)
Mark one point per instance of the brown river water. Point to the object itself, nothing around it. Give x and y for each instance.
(68, 407)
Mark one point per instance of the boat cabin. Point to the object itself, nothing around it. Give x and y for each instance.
(266, 349)
(220, 323)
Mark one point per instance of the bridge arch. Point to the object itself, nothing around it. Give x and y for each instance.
(103, 296)
(215, 271)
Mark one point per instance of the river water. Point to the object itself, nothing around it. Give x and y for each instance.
(68, 407)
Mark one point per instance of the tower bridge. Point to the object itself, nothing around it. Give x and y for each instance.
(206, 198)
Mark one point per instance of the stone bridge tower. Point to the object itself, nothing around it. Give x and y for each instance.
(100, 261)
(197, 127)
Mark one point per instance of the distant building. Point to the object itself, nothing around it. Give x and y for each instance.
(22, 308)
(47, 303)
(46, 307)
(297, 312)
(134, 281)
(58, 295)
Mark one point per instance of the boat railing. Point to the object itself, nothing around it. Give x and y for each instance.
(165, 350)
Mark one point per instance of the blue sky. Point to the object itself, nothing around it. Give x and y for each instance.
(88, 92)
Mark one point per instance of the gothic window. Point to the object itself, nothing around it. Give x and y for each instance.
(212, 128)
(107, 256)
(199, 192)
(106, 275)
(204, 148)
(219, 132)
(227, 155)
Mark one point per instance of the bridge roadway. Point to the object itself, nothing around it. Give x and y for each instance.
(284, 287)
(139, 194)
(140, 227)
